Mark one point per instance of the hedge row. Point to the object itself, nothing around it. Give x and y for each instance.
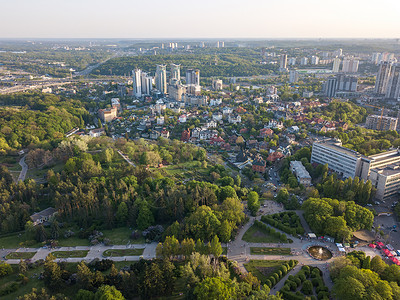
(296, 228)
(275, 277)
(281, 236)
(307, 278)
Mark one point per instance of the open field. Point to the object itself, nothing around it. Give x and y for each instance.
(269, 251)
(255, 235)
(67, 254)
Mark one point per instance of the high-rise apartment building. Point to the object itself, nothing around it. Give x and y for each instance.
(161, 78)
(293, 76)
(336, 65)
(304, 61)
(381, 123)
(292, 61)
(147, 84)
(338, 52)
(314, 60)
(331, 87)
(176, 72)
(382, 79)
(283, 63)
(340, 83)
(350, 65)
(393, 86)
(137, 82)
(193, 76)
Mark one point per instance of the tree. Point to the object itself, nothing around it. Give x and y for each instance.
(41, 234)
(106, 292)
(22, 267)
(337, 265)
(99, 125)
(52, 273)
(85, 276)
(253, 203)
(55, 230)
(378, 265)
(349, 288)
(145, 217)
(225, 231)
(203, 223)
(153, 282)
(216, 289)
(122, 213)
(216, 248)
(5, 269)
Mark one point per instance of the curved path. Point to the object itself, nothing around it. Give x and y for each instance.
(24, 170)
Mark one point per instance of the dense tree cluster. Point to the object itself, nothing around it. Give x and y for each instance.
(37, 119)
(359, 277)
(336, 218)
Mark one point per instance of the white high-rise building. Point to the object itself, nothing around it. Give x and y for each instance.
(314, 60)
(292, 61)
(176, 72)
(161, 78)
(375, 58)
(137, 82)
(147, 84)
(336, 65)
(393, 86)
(350, 65)
(304, 61)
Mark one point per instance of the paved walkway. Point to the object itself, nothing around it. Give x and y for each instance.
(94, 252)
(24, 170)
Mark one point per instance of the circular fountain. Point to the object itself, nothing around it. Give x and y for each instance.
(319, 252)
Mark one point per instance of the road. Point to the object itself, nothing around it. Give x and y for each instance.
(126, 158)
(24, 166)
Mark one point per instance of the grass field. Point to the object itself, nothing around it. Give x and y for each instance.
(256, 235)
(20, 255)
(123, 252)
(269, 251)
(14, 241)
(121, 236)
(67, 254)
(263, 268)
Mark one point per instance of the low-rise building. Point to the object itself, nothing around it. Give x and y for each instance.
(43, 216)
(302, 175)
(234, 119)
(97, 132)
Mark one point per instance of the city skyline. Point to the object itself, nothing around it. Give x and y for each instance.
(222, 19)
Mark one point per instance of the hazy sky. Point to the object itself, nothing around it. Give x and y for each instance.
(199, 19)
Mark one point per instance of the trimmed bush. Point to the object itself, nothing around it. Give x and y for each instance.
(307, 287)
(269, 283)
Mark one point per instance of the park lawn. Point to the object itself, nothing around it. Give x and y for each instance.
(73, 241)
(67, 254)
(255, 235)
(263, 268)
(121, 236)
(20, 255)
(15, 240)
(123, 252)
(269, 251)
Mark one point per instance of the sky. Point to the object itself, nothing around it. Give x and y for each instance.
(199, 19)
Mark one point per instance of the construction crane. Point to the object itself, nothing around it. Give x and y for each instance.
(381, 118)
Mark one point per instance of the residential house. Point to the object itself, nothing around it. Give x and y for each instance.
(97, 132)
(275, 156)
(259, 164)
(165, 133)
(43, 216)
(182, 119)
(217, 116)
(227, 110)
(266, 132)
(234, 119)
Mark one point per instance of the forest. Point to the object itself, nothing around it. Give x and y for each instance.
(226, 63)
(36, 119)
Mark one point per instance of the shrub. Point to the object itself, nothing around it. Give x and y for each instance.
(273, 281)
(298, 281)
(269, 283)
(10, 288)
(307, 287)
(103, 265)
(276, 276)
(306, 270)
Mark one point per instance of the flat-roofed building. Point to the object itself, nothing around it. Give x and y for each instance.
(345, 162)
(378, 161)
(386, 180)
(302, 175)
